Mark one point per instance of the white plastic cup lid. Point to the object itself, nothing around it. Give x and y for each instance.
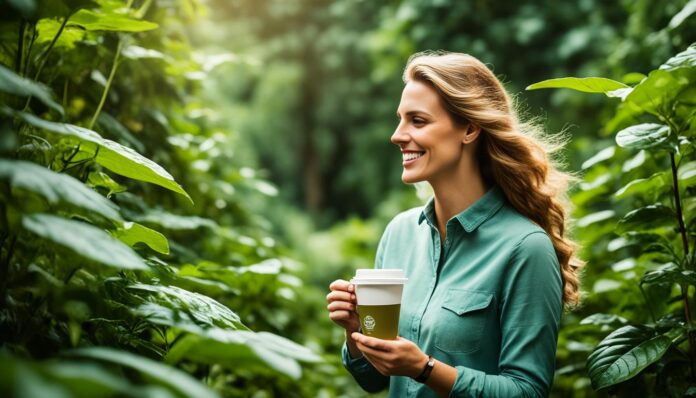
(367, 276)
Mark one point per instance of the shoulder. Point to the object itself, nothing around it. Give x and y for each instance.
(513, 225)
(535, 243)
(528, 240)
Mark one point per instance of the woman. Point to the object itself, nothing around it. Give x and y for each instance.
(488, 263)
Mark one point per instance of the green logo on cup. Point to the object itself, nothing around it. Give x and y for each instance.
(369, 323)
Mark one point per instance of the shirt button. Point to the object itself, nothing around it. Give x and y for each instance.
(447, 242)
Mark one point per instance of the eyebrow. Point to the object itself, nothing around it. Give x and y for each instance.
(411, 113)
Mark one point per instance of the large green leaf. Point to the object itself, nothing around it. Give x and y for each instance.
(584, 84)
(645, 218)
(76, 379)
(131, 233)
(187, 310)
(182, 383)
(112, 155)
(642, 185)
(624, 353)
(217, 333)
(670, 273)
(92, 21)
(235, 347)
(12, 83)
(47, 29)
(647, 136)
(55, 188)
(84, 239)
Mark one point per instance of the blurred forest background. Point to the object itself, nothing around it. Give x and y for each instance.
(275, 118)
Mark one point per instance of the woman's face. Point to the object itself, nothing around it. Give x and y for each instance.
(432, 146)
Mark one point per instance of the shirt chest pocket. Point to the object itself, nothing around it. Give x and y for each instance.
(462, 320)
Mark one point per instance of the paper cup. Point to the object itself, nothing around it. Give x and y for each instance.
(378, 292)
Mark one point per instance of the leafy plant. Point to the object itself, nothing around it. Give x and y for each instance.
(105, 288)
(656, 234)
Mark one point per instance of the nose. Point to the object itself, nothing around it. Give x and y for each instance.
(400, 135)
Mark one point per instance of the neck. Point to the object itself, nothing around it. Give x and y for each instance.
(453, 198)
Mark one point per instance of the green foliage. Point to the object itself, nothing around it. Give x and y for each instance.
(654, 236)
(623, 354)
(131, 233)
(177, 381)
(84, 240)
(108, 287)
(118, 158)
(93, 21)
(12, 83)
(25, 179)
(585, 84)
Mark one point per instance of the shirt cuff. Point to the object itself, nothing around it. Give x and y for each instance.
(357, 365)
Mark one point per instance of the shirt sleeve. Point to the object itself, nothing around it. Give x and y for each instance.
(530, 312)
(362, 370)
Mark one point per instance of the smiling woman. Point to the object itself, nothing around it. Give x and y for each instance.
(489, 265)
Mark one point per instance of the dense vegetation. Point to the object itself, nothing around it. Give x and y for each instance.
(180, 180)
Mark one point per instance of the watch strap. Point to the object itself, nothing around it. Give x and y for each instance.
(421, 378)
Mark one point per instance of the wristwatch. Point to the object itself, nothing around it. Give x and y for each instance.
(421, 378)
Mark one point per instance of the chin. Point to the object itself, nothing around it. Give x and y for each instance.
(409, 179)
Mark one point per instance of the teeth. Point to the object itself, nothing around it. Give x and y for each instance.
(412, 155)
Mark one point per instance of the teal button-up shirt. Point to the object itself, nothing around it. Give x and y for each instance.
(487, 300)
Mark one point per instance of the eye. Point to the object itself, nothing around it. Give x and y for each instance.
(418, 121)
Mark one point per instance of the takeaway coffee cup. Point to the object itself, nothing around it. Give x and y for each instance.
(378, 292)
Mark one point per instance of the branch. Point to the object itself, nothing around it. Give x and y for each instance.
(20, 47)
(677, 201)
(44, 56)
(108, 85)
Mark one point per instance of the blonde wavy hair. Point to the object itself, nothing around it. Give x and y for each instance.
(512, 154)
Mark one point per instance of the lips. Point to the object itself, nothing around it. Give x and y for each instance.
(411, 156)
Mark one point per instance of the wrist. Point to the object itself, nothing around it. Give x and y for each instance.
(353, 350)
(425, 369)
(418, 366)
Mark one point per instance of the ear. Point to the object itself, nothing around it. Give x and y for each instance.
(472, 133)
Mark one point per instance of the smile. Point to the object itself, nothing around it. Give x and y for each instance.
(410, 156)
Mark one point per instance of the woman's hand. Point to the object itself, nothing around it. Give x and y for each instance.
(398, 357)
(342, 306)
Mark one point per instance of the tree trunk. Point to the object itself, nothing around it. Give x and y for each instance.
(311, 173)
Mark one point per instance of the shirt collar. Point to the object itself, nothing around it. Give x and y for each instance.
(473, 216)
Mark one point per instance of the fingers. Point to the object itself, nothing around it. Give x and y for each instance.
(374, 344)
(341, 291)
(343, 285)
(340, 296)
(341, 315)
(340, 305)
